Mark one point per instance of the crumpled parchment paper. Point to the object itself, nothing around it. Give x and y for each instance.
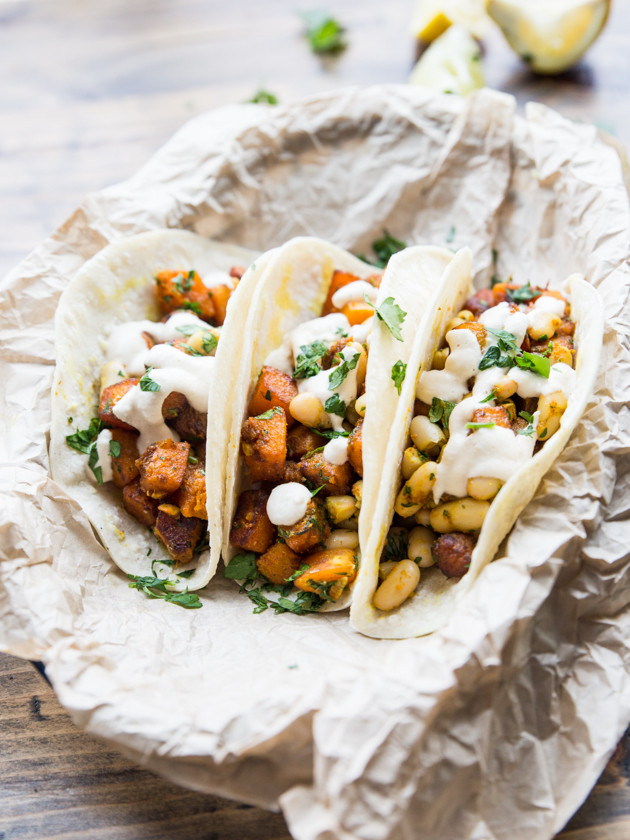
(495, 727)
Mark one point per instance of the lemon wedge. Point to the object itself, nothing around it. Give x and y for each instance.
(550, 35)
(451, 64)
(433, 17)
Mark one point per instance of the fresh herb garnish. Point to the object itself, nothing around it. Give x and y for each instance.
(399, 370)
(266, 415)
(156, 587)
(506, 354)
(450, 236)
(490, 396)
(242, 567)
(479, 425)
(147, 384)
(209, 343)
(526, 416)
(307, 362)
(83, 440)
(339, 373)
(324, 33)
(192, 306)
(303, 568)
(335, 405)
(522, 294)
(441, 411)
(386, 247)
(395, 546)
(391, 314)
(192, 459)
(531, 361)
(329, 433)
(115, 448)
(263, 97)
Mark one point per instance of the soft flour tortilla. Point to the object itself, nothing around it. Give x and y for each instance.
(436, 598)
(116, 287)
(292, 290)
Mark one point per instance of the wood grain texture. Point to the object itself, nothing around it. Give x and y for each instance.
(88, 91)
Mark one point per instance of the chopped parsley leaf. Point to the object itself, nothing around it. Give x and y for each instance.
(399, 370)
(335, 405)
(479, 425)
(114, 448)
(441, 411)
(324, 33)
(263, 97)
(339, 373)
(386, 247)
(391, 314)
(147, 384)
(522, 294)
(156, 587)
(307, 362)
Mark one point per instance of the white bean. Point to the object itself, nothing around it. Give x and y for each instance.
(397, 586)
(459, 515)
(416, 489)
(483, 488)
(419, 548)
(426, 436)
(342, 538)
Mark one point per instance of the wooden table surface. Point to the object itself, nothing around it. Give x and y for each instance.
(88, 91)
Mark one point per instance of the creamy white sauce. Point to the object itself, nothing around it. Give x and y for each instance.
(361, 332)
(356, 291)
(336, 451)
(173, 370)
(127, 344)
(287, 503)
(502, 317)
(104, 458)
(461, 364)
(550, 303)
(327, 330)
(319, 385)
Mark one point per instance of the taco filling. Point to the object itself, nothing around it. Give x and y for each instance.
(295, 525)
(495, 394)
(149, 436)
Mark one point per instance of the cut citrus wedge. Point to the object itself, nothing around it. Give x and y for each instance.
(550, 35)
(451, 64)
(433, 17)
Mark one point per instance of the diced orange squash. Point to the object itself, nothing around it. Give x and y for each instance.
(179, 534)
(478, 329)
(339, 280)
(278, 563)
(124, 468)
(301, 440)
(326, 568)
(335, 478)
(109, 397)
(252, 529)
(184, 290)
(220, 296)
(162, 467)
(190, 496)
(138, 504)
(311, 530)
(490, 414)
(357, 311)
(355, 447)
(273, 389)
(264, 444)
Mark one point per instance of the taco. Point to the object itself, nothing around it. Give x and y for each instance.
(136, 333)
(500, 379)
(295, 492)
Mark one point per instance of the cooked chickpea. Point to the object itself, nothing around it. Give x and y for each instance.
(307, 409)
(544, 325)
(466, 315)
(360, 405)
(419, 547)
(551, 407)
(459, 515)
(340, 507)
(416, 489)
(483, 488)
(397, 586)
(427, 436)
(411, 460)
(357, 492)
(505, 388)
(560, 353)
(343, 538)
(423, 516)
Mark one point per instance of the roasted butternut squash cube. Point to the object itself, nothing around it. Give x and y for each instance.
(497, 415)
(278, 563)
(220, 297)
(184, 290)
(190, 496)
(138, 504)
(310, 531)
(190, 424)
(274, 389)
(355, 448)
(264, 444)
(327, 568)
(252, 529)
(179, 534)
(162, 467)
(301, 440)
(124, 468)
(335, 478)
(338, 281)
(109, 397)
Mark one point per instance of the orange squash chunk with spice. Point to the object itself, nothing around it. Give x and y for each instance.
(339, 280)
(124, 468)
(301, 440)
(355, 447)
(109, 397)
(138, 504)
(190, 497)
(498, 416)
(335, 478)
(329, 572)
(220, 297)
(478, 329)
(162, 467)
(251, 528)
(264, 443)
(179, 534)
(278, 563)
(311, 530)
(184, 290)
(274, 389)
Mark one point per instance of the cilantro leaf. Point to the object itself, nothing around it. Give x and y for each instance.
(307, 362)
(264, 97)
(494, 358)
(386, 247)
(395, 546)
(531, 361)
(399, 370)
(115, 448)
(391, 314)
(258, 599)
(339, 373)
(490, 396)
(479, 425)
(441, 411)
(522, 294)
(303, 568)
(147, 384)
(82, 440)
(209, 343)
(242, 567)
(329, 433)
(335, 405)
(156, 587)
(266, 415)
(324, 33)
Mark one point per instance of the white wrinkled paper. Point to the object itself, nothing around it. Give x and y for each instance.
(496, 727)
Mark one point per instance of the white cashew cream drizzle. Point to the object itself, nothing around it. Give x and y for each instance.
(287, 503)
(494, 452)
